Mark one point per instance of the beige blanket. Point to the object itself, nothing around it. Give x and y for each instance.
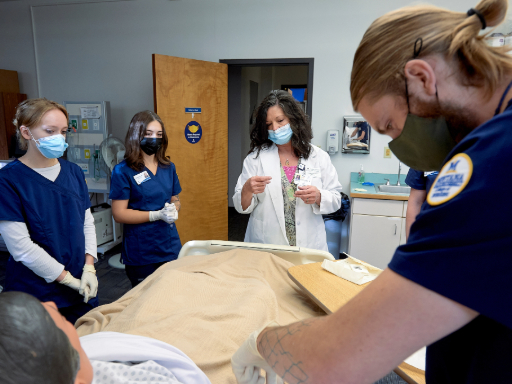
(207, 306)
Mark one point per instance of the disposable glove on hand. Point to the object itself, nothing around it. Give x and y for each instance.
(170, 207)
(171, 210)
(89, 283)
(70, 281)
(163, 214)
(247, 362)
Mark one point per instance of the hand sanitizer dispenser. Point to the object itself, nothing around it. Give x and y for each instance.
(332, 141)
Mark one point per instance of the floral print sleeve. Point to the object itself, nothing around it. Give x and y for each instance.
(289, 201)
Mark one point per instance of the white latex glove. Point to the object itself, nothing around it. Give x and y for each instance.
(170, 207)
(70, 281)
(89, 283)
(171, 210)
(164, 214)
(247, 362)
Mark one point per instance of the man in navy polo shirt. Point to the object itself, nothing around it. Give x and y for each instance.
(425, 77)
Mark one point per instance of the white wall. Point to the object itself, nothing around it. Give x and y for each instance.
(93, 50)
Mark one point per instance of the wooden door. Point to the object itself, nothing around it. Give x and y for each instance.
(8, 103)
(202, 165)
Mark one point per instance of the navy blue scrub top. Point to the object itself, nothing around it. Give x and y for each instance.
(150, 242)
(420, 180)
(54, 212)
(462, 249)
(363, 127)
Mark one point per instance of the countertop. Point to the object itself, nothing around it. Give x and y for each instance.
(376, 178)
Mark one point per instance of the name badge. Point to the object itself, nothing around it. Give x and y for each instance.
(141, 177)
(302, 169)
(302, 180)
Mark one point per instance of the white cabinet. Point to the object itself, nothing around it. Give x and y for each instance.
(378, 207)
(377, 228)
(402, 235)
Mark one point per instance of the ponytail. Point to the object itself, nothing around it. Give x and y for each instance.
(480, 64)
(388, 45)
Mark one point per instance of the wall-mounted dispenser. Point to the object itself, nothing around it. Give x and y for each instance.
(333, 139)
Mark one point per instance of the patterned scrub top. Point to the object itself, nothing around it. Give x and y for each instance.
(289, 201)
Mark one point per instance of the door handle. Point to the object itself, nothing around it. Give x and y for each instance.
(395, 228)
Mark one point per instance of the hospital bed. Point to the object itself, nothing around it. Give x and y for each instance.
(295, 255)
(209, 300)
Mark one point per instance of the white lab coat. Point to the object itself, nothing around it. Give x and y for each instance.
(266, 224)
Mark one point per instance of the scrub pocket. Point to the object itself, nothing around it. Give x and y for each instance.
(133, 238)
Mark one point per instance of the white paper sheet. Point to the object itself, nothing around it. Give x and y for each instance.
(417, 359)
(352, 269)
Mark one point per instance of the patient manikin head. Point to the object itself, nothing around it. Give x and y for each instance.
(38, 344)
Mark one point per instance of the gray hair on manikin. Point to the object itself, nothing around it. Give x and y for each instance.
(33, 349)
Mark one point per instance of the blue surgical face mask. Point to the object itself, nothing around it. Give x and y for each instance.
(51, 147)
(282, 135)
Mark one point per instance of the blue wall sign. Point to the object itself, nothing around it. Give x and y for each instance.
(192, 110)
(193, 132)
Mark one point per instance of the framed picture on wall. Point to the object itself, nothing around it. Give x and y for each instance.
(356, 135)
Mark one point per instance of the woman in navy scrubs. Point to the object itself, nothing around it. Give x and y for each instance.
(45, 218)
(144, 190)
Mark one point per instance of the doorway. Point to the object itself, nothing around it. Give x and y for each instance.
(249, 81)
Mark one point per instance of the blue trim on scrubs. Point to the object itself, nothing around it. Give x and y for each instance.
(54, 212)
(150, 242)
(420, 180)
(467, 260)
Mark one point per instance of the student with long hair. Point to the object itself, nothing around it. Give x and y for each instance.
(287, 183)
(45, 216)
(144, 190)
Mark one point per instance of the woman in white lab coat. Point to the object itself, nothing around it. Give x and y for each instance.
(286, 183)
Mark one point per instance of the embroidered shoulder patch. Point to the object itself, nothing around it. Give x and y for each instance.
(452, 179)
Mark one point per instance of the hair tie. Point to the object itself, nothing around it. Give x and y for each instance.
(418, 45)
(473, 11)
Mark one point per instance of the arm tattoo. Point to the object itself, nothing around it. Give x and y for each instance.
(273, 351)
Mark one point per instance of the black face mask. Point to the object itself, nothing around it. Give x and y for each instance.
(424, 142)
(150, 145)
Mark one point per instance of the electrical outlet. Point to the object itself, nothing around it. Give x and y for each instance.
(387, 153)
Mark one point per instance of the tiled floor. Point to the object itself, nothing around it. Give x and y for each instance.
(113, 283)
